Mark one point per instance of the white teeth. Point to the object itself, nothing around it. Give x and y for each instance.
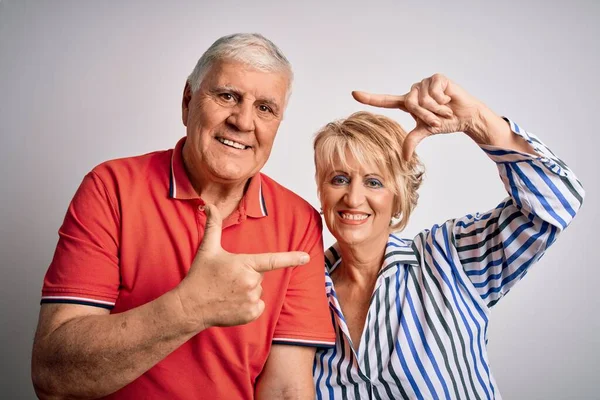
(354, 217)
(231, 143)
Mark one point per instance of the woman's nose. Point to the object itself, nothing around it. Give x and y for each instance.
(355, 195)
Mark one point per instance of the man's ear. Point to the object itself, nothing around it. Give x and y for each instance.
(185, 102)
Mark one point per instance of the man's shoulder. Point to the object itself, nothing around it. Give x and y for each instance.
(283, 199)
(135, 167)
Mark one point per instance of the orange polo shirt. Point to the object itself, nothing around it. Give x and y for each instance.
(130, 235)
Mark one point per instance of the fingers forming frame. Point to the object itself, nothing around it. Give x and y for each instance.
(412, 140)
(426, 101)
(414, 106)
(438, 86)
(432, 97)
(379, 100)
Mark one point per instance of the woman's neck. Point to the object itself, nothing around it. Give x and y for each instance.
(360, 262)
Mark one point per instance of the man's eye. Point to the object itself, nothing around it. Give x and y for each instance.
(339, 180)
(265, 109)
(226, 96)
(373, 183)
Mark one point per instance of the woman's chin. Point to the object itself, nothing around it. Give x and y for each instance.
(349, 238)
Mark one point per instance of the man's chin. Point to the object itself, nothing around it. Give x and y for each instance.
(231, 176)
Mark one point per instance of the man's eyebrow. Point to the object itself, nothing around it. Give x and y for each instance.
(227, 88)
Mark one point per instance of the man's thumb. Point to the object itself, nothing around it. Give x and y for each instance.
(212, 229)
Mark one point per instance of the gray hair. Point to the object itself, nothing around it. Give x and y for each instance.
(252, 49)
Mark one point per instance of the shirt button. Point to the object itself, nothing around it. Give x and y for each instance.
(200, 207)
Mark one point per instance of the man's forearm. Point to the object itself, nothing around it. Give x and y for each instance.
(94, 355)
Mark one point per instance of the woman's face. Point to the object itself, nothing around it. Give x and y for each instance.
(357, 203)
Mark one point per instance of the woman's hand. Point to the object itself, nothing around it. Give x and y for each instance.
(439, 105)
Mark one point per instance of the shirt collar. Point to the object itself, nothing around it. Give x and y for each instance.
(180, 187)
(397, 252)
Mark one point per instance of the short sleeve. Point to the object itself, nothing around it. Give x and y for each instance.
(305, 319)
(85, 266)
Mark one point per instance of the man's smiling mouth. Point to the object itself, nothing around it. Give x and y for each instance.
(232, 143)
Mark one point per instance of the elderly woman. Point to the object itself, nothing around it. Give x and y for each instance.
(411, 316)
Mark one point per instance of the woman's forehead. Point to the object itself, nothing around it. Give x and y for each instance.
(361, 162)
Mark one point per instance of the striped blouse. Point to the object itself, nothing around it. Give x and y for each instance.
(425, 333)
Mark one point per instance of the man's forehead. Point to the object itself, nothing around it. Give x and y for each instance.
(246, 79)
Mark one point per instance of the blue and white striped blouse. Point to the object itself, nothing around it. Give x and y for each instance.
(426, 330)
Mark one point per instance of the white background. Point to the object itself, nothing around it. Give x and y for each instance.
(86, 81)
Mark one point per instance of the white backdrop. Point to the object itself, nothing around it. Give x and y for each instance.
(86, 81)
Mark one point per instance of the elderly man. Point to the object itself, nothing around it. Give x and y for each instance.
(152, 295)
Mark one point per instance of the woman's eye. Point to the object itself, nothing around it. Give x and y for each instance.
(373, 183)
(339, 180)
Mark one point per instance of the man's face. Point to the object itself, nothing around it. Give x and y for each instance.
(231, 122)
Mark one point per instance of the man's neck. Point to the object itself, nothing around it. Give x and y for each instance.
(225, 197)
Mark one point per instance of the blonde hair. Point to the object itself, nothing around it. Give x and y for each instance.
(371, 139)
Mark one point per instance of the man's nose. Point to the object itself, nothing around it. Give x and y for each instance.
(242, 117)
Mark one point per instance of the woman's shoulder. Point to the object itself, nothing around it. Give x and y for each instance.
(396, 239)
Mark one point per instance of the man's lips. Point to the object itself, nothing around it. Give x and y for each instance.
(232, 143)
